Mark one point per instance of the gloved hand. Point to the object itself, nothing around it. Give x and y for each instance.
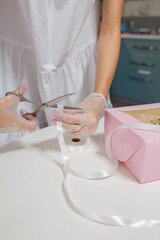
(10, 120)
(82, 123)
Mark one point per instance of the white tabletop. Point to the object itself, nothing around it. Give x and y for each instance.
(140, 36)
(32, 201)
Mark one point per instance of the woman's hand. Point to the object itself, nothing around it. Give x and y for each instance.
(10, 120)
(82, 123)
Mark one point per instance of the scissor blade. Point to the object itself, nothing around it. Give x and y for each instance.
(58, 99)
(68, 107)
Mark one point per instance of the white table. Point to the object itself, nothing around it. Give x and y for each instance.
(140, 36)
(32, 202)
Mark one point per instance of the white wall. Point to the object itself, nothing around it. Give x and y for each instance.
(141, 8)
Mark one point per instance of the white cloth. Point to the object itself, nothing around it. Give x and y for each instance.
(52, 44)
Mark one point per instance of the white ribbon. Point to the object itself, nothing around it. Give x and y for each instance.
(100, 218)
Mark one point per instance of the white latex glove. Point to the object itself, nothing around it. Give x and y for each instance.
(10, 120)
(82, 123)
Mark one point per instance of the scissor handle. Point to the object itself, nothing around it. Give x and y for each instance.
(22, 98)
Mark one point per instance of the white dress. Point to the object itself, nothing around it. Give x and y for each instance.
(51, 43)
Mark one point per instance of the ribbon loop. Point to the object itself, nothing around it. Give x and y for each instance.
(100, 218)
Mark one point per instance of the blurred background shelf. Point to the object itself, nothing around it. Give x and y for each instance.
(137, 78)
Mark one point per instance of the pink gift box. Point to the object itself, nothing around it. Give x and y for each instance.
(139, 150)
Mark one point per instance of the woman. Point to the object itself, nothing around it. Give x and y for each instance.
(53, 44)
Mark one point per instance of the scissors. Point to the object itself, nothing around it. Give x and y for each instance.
(52, 103)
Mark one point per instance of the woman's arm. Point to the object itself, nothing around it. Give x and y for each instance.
(108, 45)
(108, 51)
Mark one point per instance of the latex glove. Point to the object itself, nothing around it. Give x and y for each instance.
(85, 123)
(10, 120)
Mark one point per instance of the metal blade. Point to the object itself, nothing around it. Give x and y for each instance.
(68, 108)
(58, 99)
